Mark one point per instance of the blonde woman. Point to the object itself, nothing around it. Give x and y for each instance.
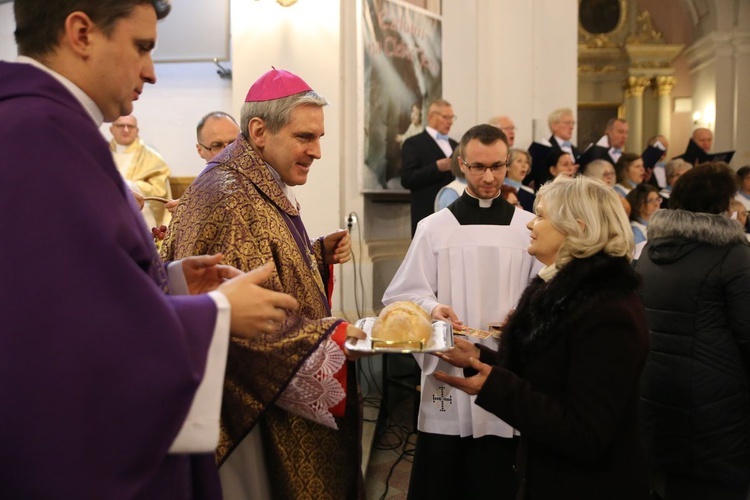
(566, 374)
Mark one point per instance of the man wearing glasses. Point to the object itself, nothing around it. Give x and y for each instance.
(143, 168)
(426, 160)
(214, 132)
(466, 265)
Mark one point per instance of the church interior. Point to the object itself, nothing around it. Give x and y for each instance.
(666, 66)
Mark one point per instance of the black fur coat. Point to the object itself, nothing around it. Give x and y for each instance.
(567, 378)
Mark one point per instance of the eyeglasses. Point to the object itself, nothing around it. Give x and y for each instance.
(452, 118)
(508, 129)
(478, 168)
(216, 147)
(123, 126)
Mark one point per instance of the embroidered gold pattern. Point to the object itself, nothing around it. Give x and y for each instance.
(227, 210)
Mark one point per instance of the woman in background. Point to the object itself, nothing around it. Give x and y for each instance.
(518, 169)
(695, 396)
(644, 201)
(561, 162)
(630, 172)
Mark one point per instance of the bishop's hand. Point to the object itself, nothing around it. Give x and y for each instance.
(337, 247)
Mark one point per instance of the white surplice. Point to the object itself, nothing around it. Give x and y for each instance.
(480, 271)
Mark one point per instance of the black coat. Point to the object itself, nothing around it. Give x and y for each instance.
(567, 377)
(419, 173)
(695, 405)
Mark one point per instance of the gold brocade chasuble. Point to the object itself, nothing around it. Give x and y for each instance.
(237, 208)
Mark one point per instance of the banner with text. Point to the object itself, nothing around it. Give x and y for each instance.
(402, 73)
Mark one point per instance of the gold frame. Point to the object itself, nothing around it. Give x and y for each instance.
(604, 39)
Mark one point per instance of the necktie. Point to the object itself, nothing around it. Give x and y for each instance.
(617, 151)
(442, 136)
(567, 144)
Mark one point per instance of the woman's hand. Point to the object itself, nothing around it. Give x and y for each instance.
(460, 354)
(471, 385)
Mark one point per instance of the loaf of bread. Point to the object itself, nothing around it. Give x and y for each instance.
(403, 322)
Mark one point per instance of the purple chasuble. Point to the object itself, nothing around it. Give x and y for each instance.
(98, 366)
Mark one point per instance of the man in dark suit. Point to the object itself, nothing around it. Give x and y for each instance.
(561, 123)
(426, 161)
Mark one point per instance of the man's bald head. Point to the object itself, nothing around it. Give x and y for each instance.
(704, 138)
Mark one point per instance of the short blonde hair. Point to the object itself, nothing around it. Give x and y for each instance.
(591, 217)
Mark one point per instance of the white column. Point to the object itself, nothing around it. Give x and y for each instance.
(634, 87)
(663, 90)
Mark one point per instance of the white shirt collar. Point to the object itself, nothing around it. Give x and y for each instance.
(88, 104)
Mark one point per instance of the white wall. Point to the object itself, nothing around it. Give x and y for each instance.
(510, 57)
(169, 111)
(7, 25)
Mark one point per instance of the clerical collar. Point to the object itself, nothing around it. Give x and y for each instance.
(88, 104)
(285, 188)
(473, 200)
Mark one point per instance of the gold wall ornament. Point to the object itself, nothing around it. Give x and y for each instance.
(664, 85)
(645, 33)
(635, 85)
(286, 3)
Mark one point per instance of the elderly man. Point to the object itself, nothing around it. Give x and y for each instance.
(505, 123)
(426, 160)
(291, 415)
(467, 265)
(561, 124)
(142, 167)
(704, 138)
(110, 382)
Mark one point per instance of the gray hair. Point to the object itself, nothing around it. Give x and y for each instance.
(595, 169)
(673, 166)
(591, 217)
(277, 113)
(557, 115)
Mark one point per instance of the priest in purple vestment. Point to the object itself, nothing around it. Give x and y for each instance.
(110, 379)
